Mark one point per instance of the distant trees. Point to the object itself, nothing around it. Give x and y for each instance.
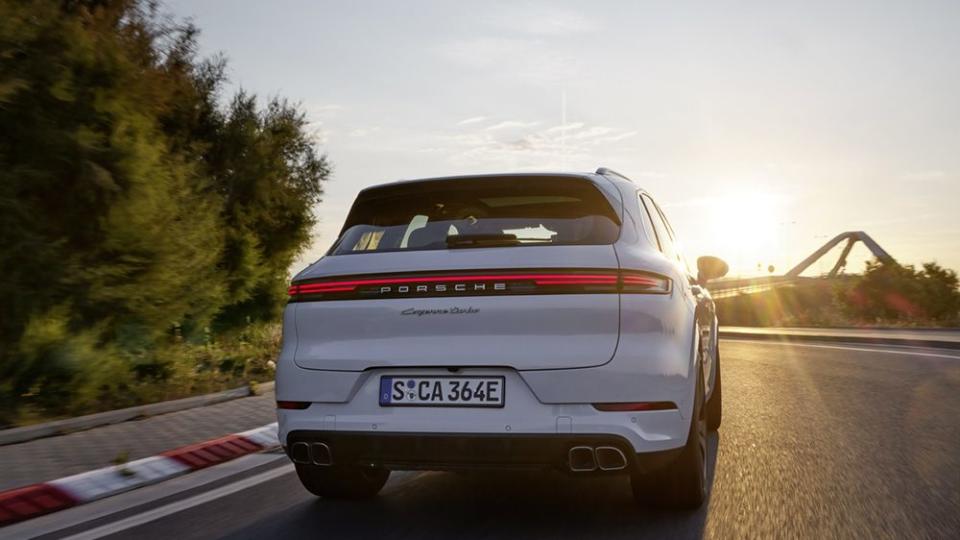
(903, 294)
(135, 208)
(886, 294)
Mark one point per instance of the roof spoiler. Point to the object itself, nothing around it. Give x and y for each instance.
(610, 172)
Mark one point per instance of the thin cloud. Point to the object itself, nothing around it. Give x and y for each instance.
(471, 120)
(499, 145)
(544, 21)
(592, 132)
(328, 109)
(565, 127)
(512, 124)
(363, 132)
(619, 137)
(529, 58)
(318, 114)
(485, 51)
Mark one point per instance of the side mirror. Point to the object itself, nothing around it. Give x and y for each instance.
(710, 268)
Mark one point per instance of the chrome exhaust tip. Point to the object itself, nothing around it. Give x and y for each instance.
(300, 453)
(321, 454)
(610, 458)
(581, 459)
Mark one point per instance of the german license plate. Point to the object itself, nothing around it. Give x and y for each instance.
(441, 391)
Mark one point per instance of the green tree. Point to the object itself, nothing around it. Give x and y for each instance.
(940, 293)
(267, 170)
(131, 200)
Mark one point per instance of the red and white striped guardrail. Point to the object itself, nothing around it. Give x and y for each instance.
(37, 499)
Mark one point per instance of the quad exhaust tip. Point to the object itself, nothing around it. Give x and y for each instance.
(582, 459)
(610, 458)
(320, 454)
(300, 452)
(311, 454)
(589, 459)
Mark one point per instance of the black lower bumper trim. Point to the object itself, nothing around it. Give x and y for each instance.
(405, 451)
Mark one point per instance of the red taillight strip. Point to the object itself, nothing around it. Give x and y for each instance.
(639, 406)
(322, 288)
(576, 281)
(490, 277)
(631, 282)
(640, 279)
(539, 279)
(293, 405)
(643, 281)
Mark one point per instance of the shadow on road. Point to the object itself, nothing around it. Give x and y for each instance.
(493, 505)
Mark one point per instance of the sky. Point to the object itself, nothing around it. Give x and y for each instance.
(762, 128)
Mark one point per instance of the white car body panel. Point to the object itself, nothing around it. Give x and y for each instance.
(525, 332)
(523, 414)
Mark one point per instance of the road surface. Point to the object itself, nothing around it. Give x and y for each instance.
(818, 441)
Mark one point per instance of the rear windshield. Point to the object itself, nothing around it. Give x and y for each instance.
(478, 212)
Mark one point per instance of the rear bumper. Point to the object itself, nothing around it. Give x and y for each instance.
(522, 415)
(466, 451)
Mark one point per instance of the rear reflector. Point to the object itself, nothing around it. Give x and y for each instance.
(638, 406)
(294, 405)
(425, 285)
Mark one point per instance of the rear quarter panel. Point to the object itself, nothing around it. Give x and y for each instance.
(656, 356)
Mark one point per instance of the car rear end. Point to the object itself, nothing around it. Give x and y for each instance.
(478, 322)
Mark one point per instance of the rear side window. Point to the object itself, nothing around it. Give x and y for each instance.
(648, 222)
(665, 236)
(478, 212)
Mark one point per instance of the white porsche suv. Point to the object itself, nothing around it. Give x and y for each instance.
(535, 321)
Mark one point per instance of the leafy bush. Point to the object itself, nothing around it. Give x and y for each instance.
(78, 378)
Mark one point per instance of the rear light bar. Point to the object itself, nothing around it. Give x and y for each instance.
(638, 406)
(645, 283)
(293, 405)
(484, 283)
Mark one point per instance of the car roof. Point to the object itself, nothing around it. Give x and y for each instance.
(596, 177)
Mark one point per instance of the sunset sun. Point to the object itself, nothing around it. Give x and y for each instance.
(748, 227)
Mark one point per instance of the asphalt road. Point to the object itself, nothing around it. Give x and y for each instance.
(818, 441)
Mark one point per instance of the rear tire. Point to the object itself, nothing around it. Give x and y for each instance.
(342, 482)
(682, 484)
(715, 404)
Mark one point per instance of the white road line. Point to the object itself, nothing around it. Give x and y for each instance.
(841, 347)
(179, 506)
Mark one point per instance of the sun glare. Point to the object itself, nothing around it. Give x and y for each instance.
(748, 229)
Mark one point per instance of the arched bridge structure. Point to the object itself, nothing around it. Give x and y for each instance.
(852, 238)
(722, 288)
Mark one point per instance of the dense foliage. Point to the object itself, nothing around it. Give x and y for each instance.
(903, 294)
(886, 294)
(142, 216)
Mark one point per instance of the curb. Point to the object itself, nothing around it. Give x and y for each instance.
(839, 338)
(35, 500)
(80, 423)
